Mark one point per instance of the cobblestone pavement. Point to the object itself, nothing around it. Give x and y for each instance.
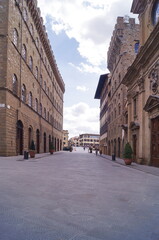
(77, 196)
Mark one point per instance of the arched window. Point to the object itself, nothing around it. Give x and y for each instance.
(31, 29)
(24, 52)
(23, 93)
(119, 78)
(30, 99)
(36, 72)
(155, 12)
(48, 117)
(41, 80)
(41, 52)
(15, 37)
(31, 63)
(41, 109)
(45, 86)
(115, 113)
(136, 47)
(15, 84)
(37, 42)
(119, 107)
(36, 105)
(25, 14)
(45, 113)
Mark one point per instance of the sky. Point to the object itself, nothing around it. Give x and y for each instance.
(79, 32)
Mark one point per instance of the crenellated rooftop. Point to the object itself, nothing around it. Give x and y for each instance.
(117, 38)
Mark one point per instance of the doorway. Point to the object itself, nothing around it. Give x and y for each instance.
(19, 138)
(134, 147)
(44, 142)
(155, 142)
(38, 141)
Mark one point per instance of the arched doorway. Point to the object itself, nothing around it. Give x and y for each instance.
(19, 138)
(109, 148)
(115, 146)
(44, 142)
(134, 146)
(49, 141)
(155, 142)
(55, 145)
(60, 145)
(30, 136)
(112, 147)
(119, 147)
(38, 141)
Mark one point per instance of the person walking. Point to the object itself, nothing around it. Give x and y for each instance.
(100, 152)
(96, 151)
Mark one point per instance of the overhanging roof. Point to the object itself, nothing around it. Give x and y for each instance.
(138, 6)
(102, 80)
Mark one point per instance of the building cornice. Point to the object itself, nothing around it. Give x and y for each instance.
(138, 6)
(38, 20)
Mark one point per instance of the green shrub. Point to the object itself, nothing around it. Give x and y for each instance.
(51, 146)
(128, 151)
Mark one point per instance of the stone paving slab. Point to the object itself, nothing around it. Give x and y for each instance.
(144, 168)
(76, 196)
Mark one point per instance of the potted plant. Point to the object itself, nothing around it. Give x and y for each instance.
(32, 149)
(51, 147)
(128, 154)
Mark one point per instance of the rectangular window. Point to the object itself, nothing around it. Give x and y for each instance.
(135, 106)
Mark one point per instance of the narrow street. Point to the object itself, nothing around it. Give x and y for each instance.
(76, 196)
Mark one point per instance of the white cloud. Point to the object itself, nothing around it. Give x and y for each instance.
(80, 118)
(82, 88)
(88, 68)
(90, 23)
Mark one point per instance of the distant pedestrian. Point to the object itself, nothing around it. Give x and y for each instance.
(96, 151)
(100, 152)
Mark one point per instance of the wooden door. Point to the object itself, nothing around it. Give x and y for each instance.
(19, 138)
(38, 141)
(134, 147)
(155, 142)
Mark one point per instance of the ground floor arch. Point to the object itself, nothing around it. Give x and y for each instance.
(20, 137)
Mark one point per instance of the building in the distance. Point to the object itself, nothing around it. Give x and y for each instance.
(74, 141)
(87, 140)
(65, 138)
(102, 93)
(31, 87)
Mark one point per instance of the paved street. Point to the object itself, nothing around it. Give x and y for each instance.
(76, 196)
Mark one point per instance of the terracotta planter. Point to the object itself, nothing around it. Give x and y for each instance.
(127, 161)
(32, 153)
(51, 151)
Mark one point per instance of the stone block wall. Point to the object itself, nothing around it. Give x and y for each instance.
(45, 85)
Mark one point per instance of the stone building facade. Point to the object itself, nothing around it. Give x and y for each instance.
(122, 52)
(142, 80)
(88, 139)
(65, 138)
(102, 93)
(31, 87)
